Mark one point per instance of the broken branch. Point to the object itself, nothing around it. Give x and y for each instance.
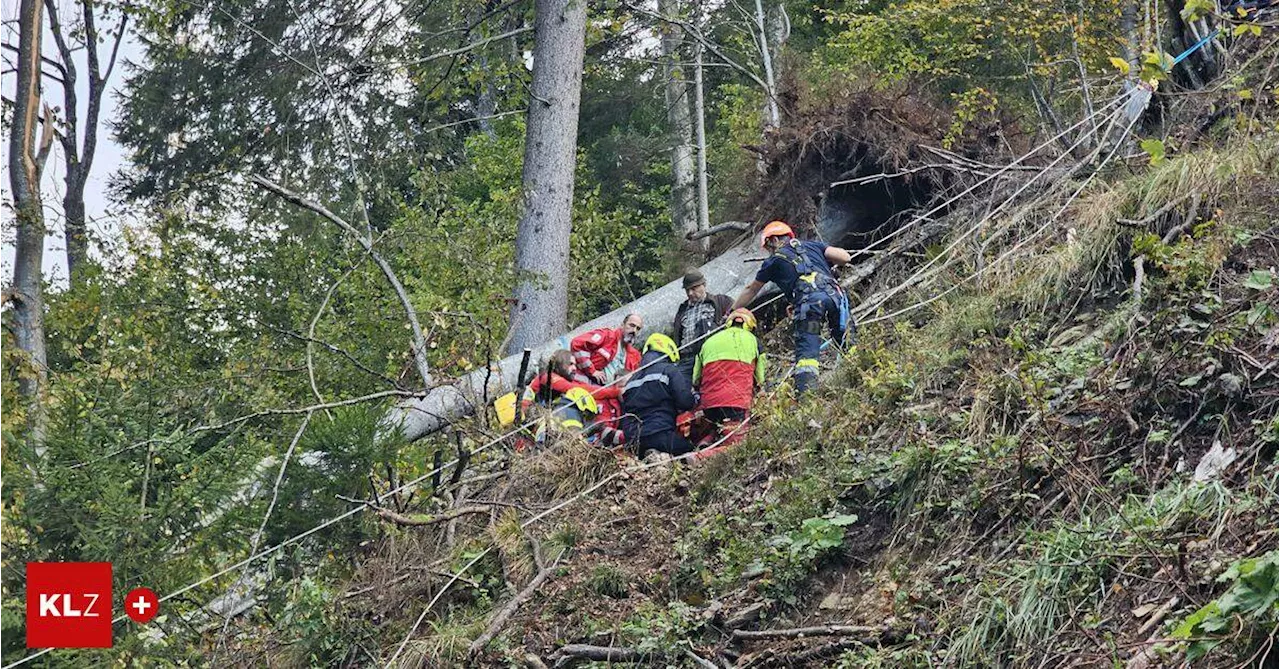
(728, 226)
(801, 632)
(423, 520)
(581, 651)
(500, 619)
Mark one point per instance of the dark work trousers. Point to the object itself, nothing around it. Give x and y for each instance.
(668, 441)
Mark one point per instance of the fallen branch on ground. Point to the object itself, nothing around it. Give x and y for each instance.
(573, 652)
(801, 632)
(500, 619)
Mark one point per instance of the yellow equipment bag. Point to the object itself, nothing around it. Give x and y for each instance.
(506, 408)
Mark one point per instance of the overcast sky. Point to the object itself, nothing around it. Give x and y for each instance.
(103, 215)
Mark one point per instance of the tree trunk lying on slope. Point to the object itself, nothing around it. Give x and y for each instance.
(728, 273)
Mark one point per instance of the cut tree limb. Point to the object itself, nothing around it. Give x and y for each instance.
(571, 653)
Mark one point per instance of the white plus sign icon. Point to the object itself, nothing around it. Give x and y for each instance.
(142, 605)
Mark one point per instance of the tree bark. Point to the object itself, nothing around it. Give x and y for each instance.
(683, 218)
(26, 163)
(700, 111)
(1129, 29)
(772, 116)
(542, 238)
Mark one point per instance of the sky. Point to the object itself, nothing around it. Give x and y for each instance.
(104, 216)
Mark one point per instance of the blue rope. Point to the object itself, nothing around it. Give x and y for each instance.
(1195, 46)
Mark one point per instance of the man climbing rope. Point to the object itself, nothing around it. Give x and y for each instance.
(802, 271)
(652, 400)
(728, 372)
(696, 317)
(604, 354)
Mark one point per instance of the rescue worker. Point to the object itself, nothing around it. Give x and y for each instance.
(576, 410)
(604, 354)
(696, 318)
(652, 399)
(559, 373)
(802, 270)
(728, 372)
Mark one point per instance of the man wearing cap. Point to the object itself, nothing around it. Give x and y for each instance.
(696, 319)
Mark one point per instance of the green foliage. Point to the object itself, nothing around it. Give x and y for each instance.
(608, 581)
(325, 636)
(656, 629)
(969, 106)
(1259, 280)
(1252, 602)
(815, 536)
(962, 45)
(1194, 10)
(1154, 148)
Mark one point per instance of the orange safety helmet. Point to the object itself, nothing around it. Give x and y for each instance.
(775, 229)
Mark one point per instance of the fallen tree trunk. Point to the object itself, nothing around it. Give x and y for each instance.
(728, 273)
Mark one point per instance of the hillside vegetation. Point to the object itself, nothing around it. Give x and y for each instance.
(1054, 442)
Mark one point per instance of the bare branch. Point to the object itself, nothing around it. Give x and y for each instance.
(419, 342)
(727, 226)
(802, 632)
(262, 528)
(47, 60)
(500, 618)
(461, 50)
(315, 407)
(425, 520)
(473, 120)
(710, 46)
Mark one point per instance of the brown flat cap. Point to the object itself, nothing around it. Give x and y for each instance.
(693, 278)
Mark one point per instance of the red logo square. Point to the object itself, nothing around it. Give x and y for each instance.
(69, 605)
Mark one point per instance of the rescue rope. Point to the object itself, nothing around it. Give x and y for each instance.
(864, 309)
(457, 576)
(1023, 242)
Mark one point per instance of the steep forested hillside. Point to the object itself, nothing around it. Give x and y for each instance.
(1053, 441)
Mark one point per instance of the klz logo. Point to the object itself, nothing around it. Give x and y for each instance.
(68, 604)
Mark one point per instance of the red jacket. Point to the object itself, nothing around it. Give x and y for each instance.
(594, 350)
(729, 368)
(561, 385)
